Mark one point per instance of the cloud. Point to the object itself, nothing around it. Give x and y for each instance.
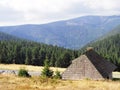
(8, 14)
(43, 11)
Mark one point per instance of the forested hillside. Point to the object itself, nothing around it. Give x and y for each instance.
(15, 50)
(4, 36)
(108, 48)
(26, 52)
(73, 33)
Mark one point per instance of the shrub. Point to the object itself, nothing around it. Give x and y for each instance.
(23, 73)
(57, 75)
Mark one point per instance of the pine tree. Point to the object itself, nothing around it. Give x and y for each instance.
(46, 70)
(28, 57)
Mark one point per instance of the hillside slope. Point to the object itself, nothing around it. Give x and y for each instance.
(109, 47)
(114, 31)
(7, 37)
(74, 33)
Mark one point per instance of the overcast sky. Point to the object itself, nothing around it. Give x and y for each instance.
(15, 12)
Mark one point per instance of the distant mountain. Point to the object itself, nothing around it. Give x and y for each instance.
(74, 33)
(114, 31)
(7, 37)
(109, 47)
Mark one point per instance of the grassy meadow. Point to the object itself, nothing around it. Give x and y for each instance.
(10, 82)
(37, 83)
(27, 67)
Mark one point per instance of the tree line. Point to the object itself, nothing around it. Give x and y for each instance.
(32, 53)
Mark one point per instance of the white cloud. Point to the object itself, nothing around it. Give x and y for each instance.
(42, 11)
(103, 4)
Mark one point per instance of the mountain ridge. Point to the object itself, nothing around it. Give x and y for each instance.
(73, 33)
(7, 37)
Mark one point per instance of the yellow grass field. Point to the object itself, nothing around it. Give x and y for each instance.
(37, 83)
(10, 82)
(27, 67)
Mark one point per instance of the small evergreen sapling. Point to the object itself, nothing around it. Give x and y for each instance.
(46, 72)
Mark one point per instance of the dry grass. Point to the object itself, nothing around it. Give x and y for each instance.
(37, 83)
(38, 68)
(9, 82)
(27, 67)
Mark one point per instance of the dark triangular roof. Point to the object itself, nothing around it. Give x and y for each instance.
(103, 66)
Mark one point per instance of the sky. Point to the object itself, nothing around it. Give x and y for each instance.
(17, 12)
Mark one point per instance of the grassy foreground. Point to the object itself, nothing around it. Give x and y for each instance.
(37, 83)
(10, 82)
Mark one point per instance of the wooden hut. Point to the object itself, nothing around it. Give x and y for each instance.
(89, 65)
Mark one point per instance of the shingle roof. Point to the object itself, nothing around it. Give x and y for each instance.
(90, 65)
(103, 66)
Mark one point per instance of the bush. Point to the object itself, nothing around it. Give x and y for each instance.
(57, 75)
(23, 73)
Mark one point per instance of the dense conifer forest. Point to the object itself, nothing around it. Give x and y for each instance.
(26, 52)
